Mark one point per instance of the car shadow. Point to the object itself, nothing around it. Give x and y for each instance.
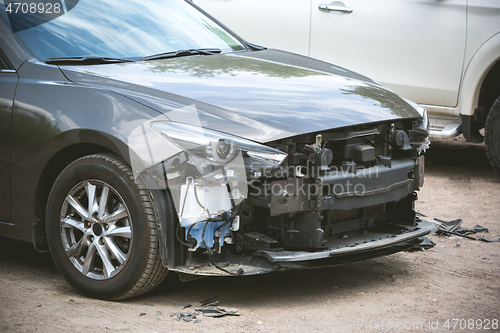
(282, 288)
(15, 255)
(20, 259)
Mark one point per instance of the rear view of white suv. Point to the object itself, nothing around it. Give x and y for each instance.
(443, 54)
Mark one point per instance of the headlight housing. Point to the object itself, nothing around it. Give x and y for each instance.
(220, 148)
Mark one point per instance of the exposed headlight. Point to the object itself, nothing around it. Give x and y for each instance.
(219, 148)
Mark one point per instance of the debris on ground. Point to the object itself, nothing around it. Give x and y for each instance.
(478, 228)
(484, 239)
(208, 308)
(447, 228)
(186, 316)
(426, 244)
(215, 311)
(210, 302)
(142, 314)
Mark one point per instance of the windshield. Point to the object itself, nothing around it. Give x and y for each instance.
(125, 29)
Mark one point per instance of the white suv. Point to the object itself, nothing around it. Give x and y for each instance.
(443, 54)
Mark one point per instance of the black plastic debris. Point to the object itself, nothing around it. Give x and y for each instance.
(208, 308)
(209, 302)
(478, 228)
(420, 214)
(142, 314)
(484, 239)
(426, 244)
(215, 311)
(186, 316)
(447, 228)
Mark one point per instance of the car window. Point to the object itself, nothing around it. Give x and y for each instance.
(3, 61)
(125, 29)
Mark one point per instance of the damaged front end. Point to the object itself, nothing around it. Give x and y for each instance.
(237, 207)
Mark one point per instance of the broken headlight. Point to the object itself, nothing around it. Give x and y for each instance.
(208, 179)
(220, 148)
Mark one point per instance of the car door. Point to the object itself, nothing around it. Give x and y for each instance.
(278, 24)
(8, 82)
(415, 47)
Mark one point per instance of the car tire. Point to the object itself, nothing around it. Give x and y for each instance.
(110, 250)
(492, 136)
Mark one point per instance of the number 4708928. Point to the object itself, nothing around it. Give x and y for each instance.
(478, 324)
(32, 8)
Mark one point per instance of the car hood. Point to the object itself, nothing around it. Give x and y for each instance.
(261, 95)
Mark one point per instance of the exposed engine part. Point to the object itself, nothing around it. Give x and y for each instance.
(252, 241)
(334, 189)
(197, 202)
(303, 231)
(363, 153)
(401, 140)
(325, 158)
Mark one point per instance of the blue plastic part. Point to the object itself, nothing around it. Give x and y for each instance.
(197, 231)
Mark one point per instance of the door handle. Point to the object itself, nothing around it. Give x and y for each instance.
(335, 8)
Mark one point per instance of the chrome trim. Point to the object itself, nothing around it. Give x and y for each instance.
(8, 71)
(333, 8)
(449, 131)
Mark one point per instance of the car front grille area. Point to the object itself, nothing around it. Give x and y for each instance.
(337, 216)
(340, 223)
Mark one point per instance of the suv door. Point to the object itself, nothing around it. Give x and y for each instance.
(8, 82)
(415, 47)
(277, 24)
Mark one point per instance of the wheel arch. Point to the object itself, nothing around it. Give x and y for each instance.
(60, 159)
(489, 92)
(484, 63)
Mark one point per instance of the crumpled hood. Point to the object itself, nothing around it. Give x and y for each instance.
(262, 96)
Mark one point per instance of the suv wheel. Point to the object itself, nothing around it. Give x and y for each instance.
(492, 136)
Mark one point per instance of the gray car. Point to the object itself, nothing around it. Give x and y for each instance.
(141, 138)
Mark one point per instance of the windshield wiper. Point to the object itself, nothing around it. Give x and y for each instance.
(182, 53)
(85, 61)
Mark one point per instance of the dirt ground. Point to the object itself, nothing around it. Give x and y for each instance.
(438, 290)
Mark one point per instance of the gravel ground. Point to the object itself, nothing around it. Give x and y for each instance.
(450, 287)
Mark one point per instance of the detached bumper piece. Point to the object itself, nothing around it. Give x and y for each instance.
(357, 247)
